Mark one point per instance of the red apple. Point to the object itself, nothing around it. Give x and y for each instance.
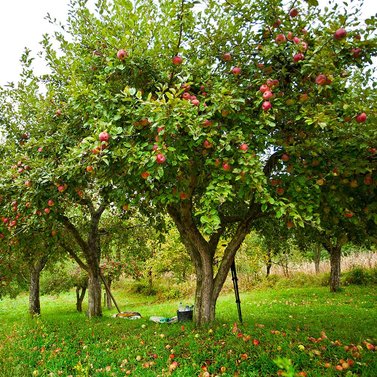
(226, 166)
(304, 46)
(244, 147)
(275, 182)
(296, 40)
(2, 236)
(280, 191)
(372, 150)
(267, 95)
(160, 158)
(361, 118)
(177, 60)
(47, 210)
(182, 195)
(304, 97)
(96, 150)
(236, 71)
(40, 149)
(272, 83)
(207, 123)
(58, 112)
(28, 183)
(293, 12)
(277, 23)
(285, 157)
(280, 38)
(356, 52)
(340, 34)
(186, 96)
(321, 79)
(104, 136)
(89, 169)
(348, 214)
(50, 203)
(61, 188)
(298, 57)
(266, 105)
(368, 180)
(195, 102)
(207, 144)
(263, 88)
(145, 174)
(13, 223)
(122, 54)
(227, 57)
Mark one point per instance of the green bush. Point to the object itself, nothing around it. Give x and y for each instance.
(360, 276)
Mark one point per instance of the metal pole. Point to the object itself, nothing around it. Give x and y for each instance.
(236, 291)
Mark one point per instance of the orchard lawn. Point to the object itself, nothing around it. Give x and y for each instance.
(286, 332)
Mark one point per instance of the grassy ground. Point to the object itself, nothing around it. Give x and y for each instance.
(293, 332)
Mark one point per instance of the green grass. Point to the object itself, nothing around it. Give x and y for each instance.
(304, 327)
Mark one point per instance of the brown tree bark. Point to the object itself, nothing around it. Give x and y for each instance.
(94, 294)
(335, 258)
(202, 252)
(334, 248)
(268, 263)
(91, 250)
(317, 258)
(80, 294)
(34, 288)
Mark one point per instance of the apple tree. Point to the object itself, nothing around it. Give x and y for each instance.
(219, 113)
(45, 190)
(253, 98)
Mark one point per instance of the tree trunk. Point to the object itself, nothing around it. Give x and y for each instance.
(335, 257)
(34, 298)
(268, 263)
(334, 248)
(80, 294)
(94, 294)
(150, 281)
(202, 252)
(317, 258)
(205, 298)
(34, 294)
(92, 252)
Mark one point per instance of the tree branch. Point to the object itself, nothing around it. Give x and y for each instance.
(70, 251)
(271, 163)
(75, 233)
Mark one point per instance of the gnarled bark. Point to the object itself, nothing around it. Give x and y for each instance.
(202, 252)
(91, 250)
(334, 247)
(80, 294)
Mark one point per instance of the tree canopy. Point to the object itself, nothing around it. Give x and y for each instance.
(217, 112)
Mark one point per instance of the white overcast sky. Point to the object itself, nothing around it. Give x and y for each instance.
(22, 24)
